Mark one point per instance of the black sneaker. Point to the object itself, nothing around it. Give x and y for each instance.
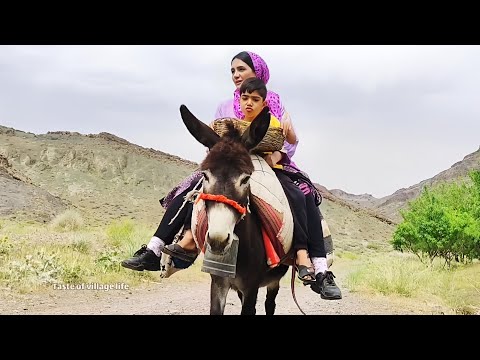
(326, 287)
(143, 259)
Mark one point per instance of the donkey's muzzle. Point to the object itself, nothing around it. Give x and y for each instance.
(217, 245)
(224, 264)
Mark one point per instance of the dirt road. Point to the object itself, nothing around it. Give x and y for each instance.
(176, 297)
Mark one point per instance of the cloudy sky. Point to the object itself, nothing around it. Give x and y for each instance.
(371, 119)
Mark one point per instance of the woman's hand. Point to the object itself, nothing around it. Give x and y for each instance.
(287, 127)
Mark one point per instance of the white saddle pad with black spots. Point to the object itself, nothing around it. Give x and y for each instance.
(268, 197)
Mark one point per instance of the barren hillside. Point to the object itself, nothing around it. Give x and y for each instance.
(103, 176)
(19, 199)
(389, 206)
(107, 178)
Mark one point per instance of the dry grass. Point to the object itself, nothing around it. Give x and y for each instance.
(33, 258)
(69, 220)
(403, 275)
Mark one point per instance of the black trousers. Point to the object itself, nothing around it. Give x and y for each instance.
(296, 199)
(316, 245)
(307, 226)
(167, 232)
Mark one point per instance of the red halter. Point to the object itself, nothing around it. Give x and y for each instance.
(223, 199)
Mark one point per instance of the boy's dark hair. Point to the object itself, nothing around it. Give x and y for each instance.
(245, 57)
(254, 84)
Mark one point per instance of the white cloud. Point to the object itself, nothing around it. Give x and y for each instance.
(381, 117)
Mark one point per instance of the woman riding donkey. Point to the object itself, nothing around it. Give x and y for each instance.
(244, 65)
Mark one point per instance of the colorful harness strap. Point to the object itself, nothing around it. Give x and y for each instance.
(223, 199)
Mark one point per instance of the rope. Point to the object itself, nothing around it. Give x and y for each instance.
(293, 290)
(190, 196)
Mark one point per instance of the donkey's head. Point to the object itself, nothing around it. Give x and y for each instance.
(226, 171)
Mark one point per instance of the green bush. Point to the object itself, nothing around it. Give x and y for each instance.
(443, 222)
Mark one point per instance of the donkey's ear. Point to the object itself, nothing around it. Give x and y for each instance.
(200, 131)
(257, 129)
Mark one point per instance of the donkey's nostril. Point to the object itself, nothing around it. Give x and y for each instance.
(218, 237)
(217, 246)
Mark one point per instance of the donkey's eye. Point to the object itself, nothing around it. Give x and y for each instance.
(205, 176)
(245, 180)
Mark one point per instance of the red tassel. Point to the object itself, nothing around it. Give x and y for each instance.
(272, 256)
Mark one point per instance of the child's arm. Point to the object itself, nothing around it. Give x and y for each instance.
(273, 158)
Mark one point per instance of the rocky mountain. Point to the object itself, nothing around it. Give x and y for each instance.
(364, 200)
(19, 198)
(390, 205)
(103, 176)
(107, 178)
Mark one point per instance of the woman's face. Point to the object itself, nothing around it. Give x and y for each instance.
(240, 71)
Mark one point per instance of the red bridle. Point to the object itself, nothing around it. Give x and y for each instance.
(223, 199)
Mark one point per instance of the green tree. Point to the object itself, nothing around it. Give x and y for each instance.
(443, 222)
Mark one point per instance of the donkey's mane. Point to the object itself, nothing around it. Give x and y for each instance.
(229, 152)
(232, 132)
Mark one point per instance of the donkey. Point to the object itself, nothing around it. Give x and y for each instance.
(226, 174)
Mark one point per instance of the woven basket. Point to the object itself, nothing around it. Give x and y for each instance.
(272, 141)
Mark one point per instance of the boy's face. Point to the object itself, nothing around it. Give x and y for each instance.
(251, 104)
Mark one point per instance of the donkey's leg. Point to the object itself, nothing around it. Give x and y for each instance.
(249, 302)
(272, 291)
(218, 294)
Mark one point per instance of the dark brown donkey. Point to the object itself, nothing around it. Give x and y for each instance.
(226, 189)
